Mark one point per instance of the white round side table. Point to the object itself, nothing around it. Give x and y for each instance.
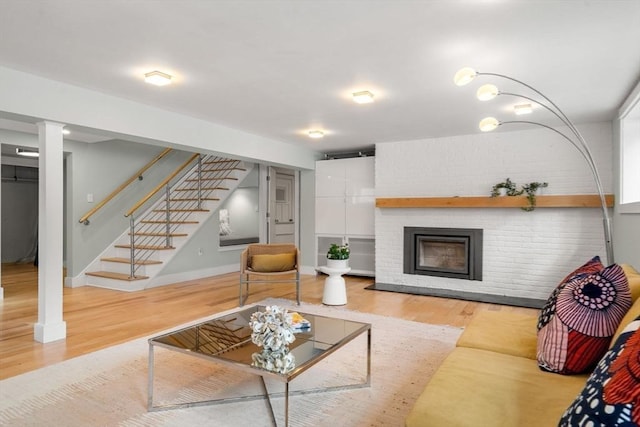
(335, 289)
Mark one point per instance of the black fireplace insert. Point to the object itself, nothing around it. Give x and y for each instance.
(443, 252)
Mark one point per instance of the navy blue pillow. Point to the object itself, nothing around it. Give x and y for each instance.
(611, 396)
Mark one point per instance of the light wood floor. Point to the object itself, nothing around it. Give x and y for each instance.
(97, 318)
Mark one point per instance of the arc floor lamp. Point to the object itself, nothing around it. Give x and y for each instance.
(490, 91)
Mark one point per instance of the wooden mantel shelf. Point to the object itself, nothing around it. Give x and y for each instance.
(550, 201)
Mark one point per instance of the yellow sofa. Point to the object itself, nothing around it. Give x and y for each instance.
(492, 377)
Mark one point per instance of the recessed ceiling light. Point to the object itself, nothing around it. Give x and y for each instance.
(363, 97)
(66, 131)
(316, 134)
(522, 109)
(26, 152)
(157, 78)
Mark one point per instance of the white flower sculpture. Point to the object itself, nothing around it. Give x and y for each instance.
(272, 328)
(281, 361)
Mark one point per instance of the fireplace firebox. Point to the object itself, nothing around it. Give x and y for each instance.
(443, 252)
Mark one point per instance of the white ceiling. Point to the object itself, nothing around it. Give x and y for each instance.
(280, 68)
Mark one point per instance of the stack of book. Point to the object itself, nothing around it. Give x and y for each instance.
(300, 324)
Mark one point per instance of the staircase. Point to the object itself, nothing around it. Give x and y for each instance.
(156, 235)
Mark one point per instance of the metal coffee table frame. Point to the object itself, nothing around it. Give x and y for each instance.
(228, 340)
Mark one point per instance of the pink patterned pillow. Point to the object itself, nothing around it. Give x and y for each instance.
(586, 311)
(549, 310)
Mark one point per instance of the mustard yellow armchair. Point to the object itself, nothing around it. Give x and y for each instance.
(269, 263)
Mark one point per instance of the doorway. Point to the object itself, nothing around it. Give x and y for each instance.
(19, 210)
(282, 206)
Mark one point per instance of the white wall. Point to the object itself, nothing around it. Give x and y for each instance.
(525, 253)
(626, 219)
(121, 118)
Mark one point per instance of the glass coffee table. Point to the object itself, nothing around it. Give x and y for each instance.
(227, 340)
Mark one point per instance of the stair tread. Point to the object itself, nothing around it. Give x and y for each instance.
(160, 234)
(128, 261)
(194, 199)
(211, 179)
(182, 210)
(117, 276)
(202, 189)
(151, 247)
(162, 221)
(223, 169)
(218, 161)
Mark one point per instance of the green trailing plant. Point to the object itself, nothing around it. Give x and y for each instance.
(530, 190)
(338, 251)
(511, 189)
(508, 185)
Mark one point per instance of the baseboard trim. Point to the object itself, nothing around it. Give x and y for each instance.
(466, 296)
(185, 276)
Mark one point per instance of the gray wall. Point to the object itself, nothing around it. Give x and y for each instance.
(307, 217)
(98, 169)
(242, 206)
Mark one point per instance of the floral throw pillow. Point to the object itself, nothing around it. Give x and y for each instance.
(588, 310)
(611, 396)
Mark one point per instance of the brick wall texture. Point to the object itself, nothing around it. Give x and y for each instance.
(525, 253)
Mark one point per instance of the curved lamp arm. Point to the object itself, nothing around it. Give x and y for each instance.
(586, 154)
(466, 75)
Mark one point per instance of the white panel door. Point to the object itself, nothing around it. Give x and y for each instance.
(282, 202)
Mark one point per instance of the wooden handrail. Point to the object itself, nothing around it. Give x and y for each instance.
(114, 193)
(164, 182)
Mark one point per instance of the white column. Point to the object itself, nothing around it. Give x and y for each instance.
(50, 326)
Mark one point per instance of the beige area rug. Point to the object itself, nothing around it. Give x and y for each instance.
(109, 387)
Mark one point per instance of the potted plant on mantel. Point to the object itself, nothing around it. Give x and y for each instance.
(531, 190)
(338, 256)
(508, 188)
(505, 188)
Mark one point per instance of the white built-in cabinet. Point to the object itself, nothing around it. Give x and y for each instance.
(345, 210)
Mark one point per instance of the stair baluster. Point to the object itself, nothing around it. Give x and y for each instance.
(200, 182)
(167, 196)
(132, 229)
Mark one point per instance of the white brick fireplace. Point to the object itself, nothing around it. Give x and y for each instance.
(525, 253)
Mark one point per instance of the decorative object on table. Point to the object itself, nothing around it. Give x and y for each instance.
(281, 361)
(487, 92)
(505, 188)
(531, 190)
(273, 330)
(300, 324)
(338, 256)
